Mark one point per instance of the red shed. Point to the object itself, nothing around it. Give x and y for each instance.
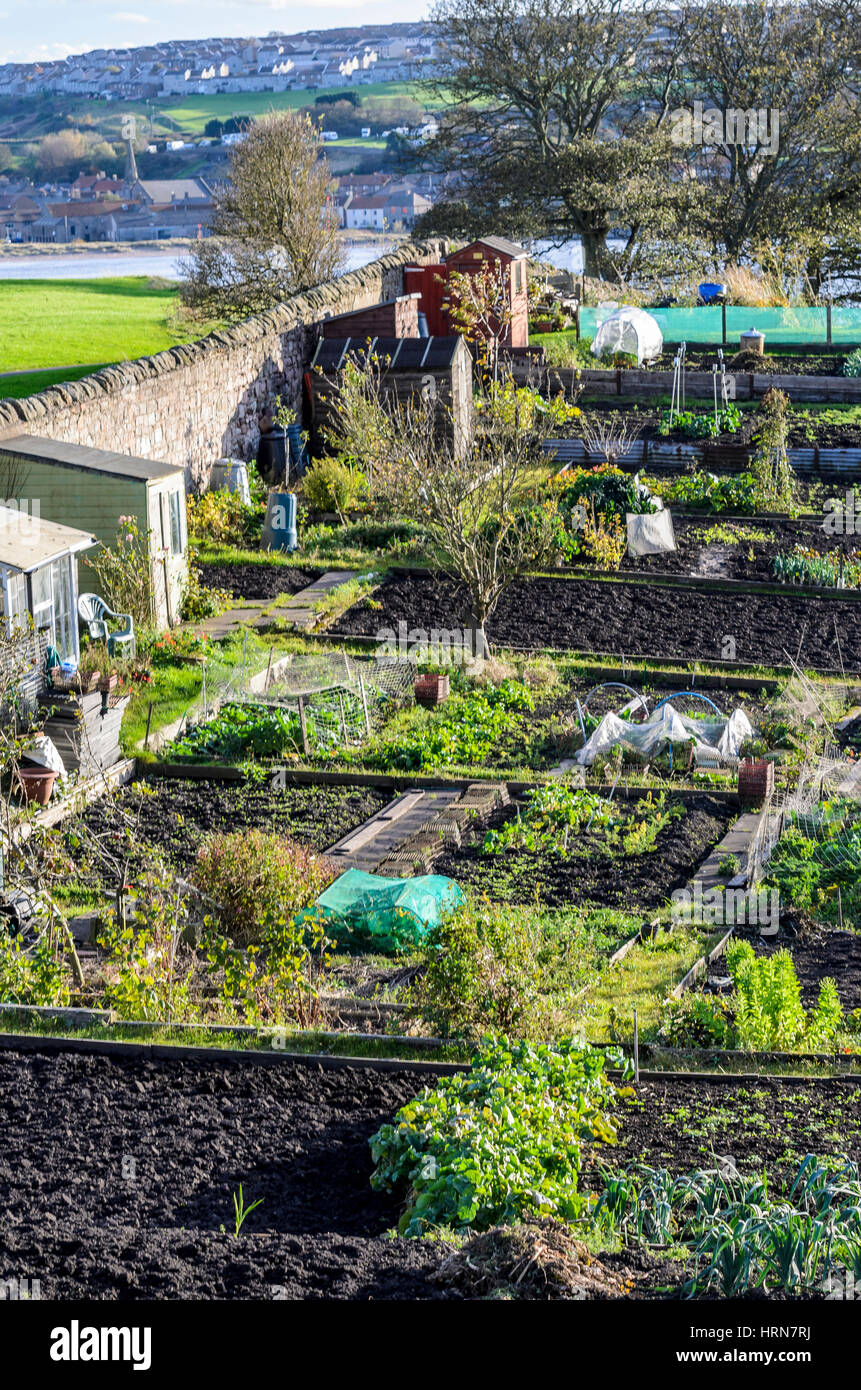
(430, 281)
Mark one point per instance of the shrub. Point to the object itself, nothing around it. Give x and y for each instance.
(480, 971)
(503, 1140)
(124, 573)
(768, 1009)
(257, 876)
(695, 1020)
(333, 484)
(198, 600)
(222, 518)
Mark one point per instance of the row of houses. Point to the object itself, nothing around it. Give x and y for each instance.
(101, 209)
(318, 58)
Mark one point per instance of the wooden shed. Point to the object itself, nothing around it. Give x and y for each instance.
(431, 283)
(442, 366)
(93, 488)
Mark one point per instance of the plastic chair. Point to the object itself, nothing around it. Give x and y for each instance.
(93, 611)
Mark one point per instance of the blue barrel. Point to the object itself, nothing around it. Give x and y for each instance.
(708, 291)
(424, 331)
(279, 528)
(298, 451)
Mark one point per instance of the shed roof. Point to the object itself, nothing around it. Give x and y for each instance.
(496, 243)
(64, 455)
(398, 354)
(27, 542)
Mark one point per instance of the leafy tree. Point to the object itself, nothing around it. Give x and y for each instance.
(271, 235)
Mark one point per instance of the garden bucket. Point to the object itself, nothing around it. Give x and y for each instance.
(279, 528)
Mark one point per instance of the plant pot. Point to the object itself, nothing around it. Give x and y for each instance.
(38, 783)
(431, 689)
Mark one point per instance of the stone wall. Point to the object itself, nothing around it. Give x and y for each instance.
(200, 402)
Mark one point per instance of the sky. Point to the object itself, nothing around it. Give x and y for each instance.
(46, 29)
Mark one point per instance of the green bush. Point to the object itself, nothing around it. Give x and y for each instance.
(238, 731)
(480, 972)
(695, 1020)
(333, 484)
(257, 877)
(506, 1139)
(769, 1014)
(852, 365)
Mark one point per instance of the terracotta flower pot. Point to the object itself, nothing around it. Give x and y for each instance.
(38, 783)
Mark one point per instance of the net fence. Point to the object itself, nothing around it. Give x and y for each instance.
(807, 324)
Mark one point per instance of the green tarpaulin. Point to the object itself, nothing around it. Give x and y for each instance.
(387, 913)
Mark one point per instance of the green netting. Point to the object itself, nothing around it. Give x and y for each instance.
(388, 914)
(705, 325)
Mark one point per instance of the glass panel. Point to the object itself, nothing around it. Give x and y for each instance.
(176, 523)
(64, 631)
(13, 587)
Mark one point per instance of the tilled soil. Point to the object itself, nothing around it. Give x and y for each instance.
(637, 619)
(802, 364)
(590, 874)
(120, 1173)
(732, 554)
(252, 581)
(119, 1177)
(175, 815)
(683, 1125)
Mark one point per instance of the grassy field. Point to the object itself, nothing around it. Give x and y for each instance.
(47, 324)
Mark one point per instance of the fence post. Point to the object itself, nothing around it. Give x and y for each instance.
(365, 705)
(723, 322)
(304, 727)
(828, 322)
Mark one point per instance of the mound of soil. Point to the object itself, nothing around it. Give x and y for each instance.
(174, 815)
(589, 873)
(592, 616)
(541, 1261)
(119, 1176)
(250, 581)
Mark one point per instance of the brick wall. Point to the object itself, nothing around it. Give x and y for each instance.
(197, 403)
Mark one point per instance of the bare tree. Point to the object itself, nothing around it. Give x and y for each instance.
(486, 523)
(272, 232)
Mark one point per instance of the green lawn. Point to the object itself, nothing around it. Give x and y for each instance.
(57, 323)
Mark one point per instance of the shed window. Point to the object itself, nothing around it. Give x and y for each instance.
(13, 587)
(53, 604)
(176, 537)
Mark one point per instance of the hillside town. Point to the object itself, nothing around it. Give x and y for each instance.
(275, 63)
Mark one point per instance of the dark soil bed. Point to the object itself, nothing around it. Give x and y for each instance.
(250, 581)
(787, 364)
(769, 1123)
(119, 1178)
(713, 549)
(173, 816)
(637, 619)
(120, 1174)
(589, 873)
